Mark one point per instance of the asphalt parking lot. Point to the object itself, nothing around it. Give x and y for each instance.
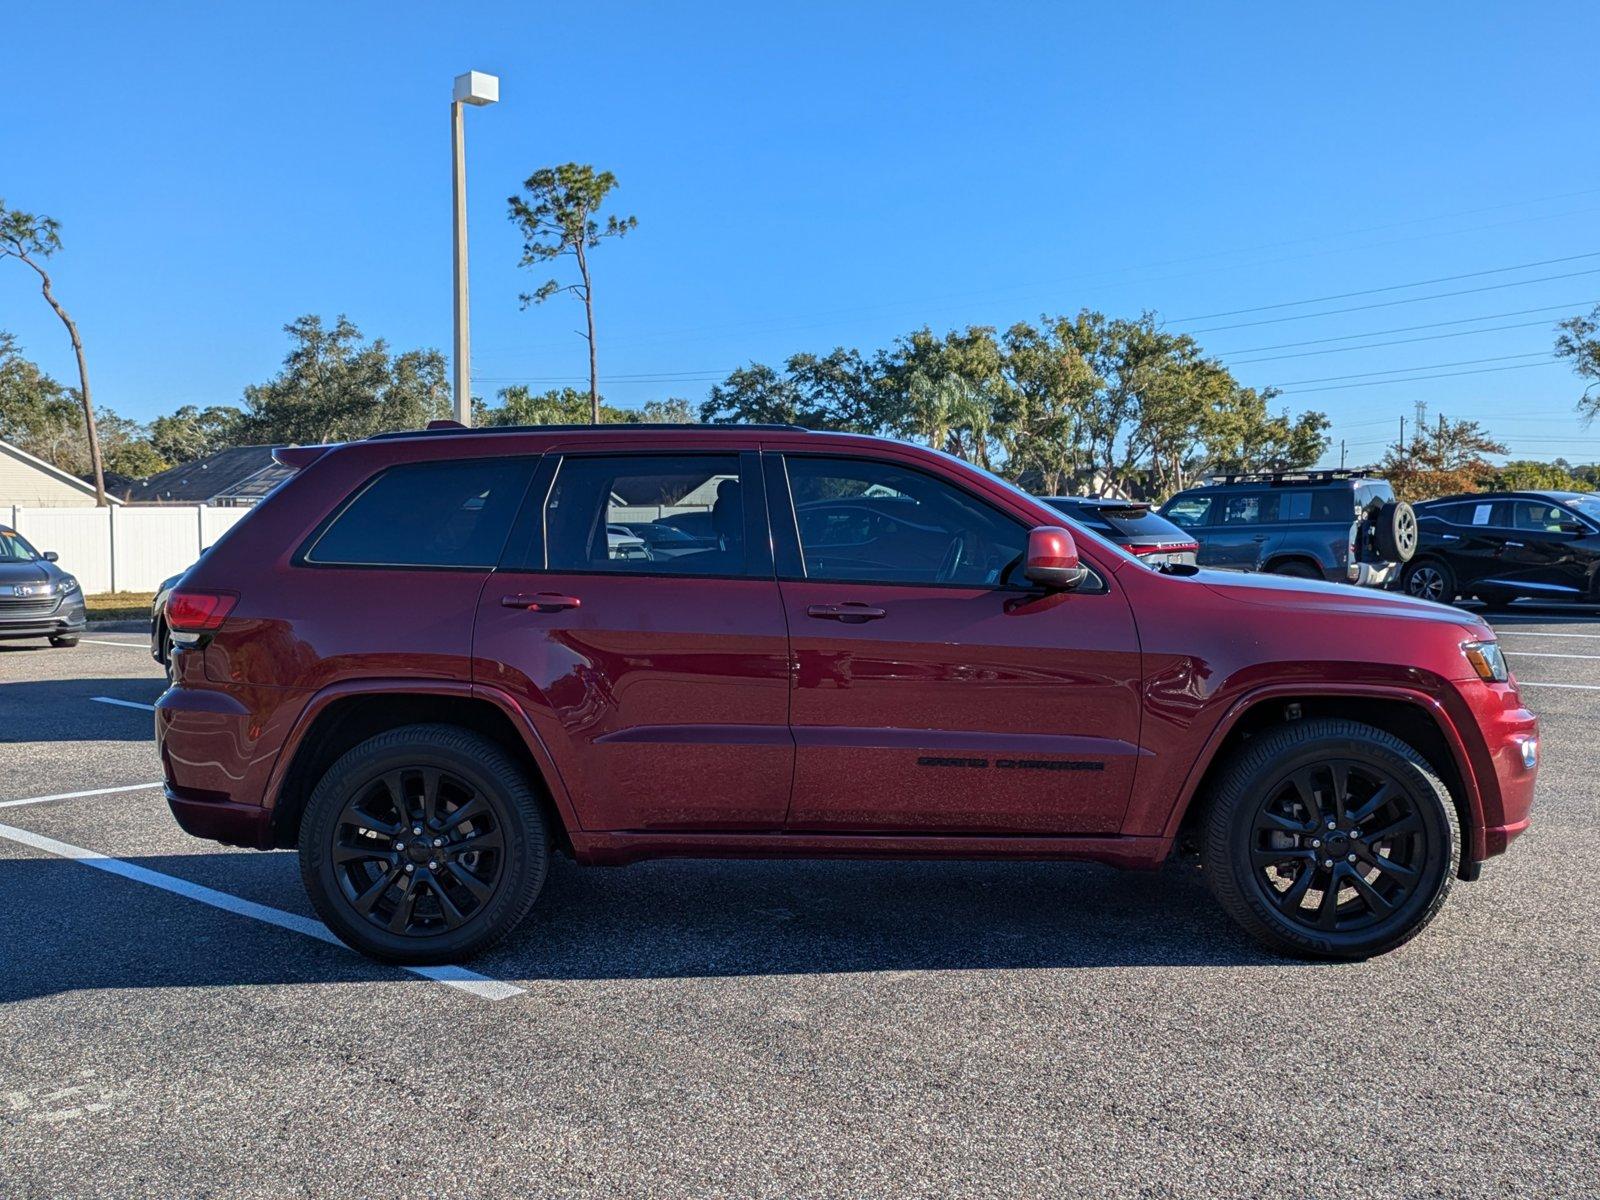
(170, 1024)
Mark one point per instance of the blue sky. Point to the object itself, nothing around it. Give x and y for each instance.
(813, 175)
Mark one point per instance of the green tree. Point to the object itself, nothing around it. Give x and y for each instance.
(1241, 435)
(191, 432)
(1527, 475)
(558, 406)
(558, 215)
(1049, 384)
(44, 418)
(1580, 342)
(334, 386)
(37, 413)
(759, 395)
(674, 410)
(31, 239)
(838, 391)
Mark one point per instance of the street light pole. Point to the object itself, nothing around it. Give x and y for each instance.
(478, 89)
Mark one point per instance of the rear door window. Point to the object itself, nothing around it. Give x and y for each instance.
(647, 514)
(451, 514)
(1246, 509)
(1190, 512)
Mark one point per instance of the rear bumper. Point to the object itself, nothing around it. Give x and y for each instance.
(217, 755)
(221, 820)
(1373, 574)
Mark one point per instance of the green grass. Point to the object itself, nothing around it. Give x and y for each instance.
(119, 606)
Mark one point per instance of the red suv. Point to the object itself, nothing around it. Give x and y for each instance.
(430, 660)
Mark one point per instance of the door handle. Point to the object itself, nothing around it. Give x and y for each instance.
(1260, 537)
(1518, 545)
(851, 611)
(540, 601)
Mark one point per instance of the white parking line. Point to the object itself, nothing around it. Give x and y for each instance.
(132, 787)
(1577, 687)
(1531, 654)
(130, 645)
(1522, 633)
(457, 977)
(123, 703)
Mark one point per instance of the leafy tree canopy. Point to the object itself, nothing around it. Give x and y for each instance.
(335, 386)
(1580, 344)
(1440, 458)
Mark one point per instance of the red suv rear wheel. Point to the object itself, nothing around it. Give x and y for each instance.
(425, 844)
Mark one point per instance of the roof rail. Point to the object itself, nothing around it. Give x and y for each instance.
(1283, 477)
(454, 430)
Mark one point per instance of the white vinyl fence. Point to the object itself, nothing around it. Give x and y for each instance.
(126, 549)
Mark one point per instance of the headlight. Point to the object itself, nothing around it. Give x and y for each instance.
(1486, 660)
(66, 584)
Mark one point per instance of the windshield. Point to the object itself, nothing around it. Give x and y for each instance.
(1589, 506)
(14, 547)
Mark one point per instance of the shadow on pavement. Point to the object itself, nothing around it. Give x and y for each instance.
(64, 710)
(86, 930)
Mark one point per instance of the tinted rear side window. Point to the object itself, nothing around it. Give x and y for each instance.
(647, 514)
(433, 514)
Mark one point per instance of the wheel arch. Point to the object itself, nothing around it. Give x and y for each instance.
(1298, 557)
(1414, 717)
(341, 717)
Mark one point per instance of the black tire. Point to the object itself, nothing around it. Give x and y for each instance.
(1429, 579)
(1395, 531)
(343, 861)
(1267, 825)
(1294, 569)
(63, 643)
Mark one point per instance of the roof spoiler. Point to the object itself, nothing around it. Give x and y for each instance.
(298, 458)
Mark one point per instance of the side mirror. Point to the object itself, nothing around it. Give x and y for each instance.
(1052, 559)
(51, 556)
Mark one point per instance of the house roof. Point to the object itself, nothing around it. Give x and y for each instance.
(239, 473)
(39, 464)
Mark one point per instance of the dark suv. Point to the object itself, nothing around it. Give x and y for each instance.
(423, 662)
(1506, 546)
(1342, 526)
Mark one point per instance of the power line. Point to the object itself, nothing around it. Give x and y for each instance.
(1343, 387)
(1466, 362)
(1333, 312)
(1435, 337)
(1393, 287)
(1350, 337)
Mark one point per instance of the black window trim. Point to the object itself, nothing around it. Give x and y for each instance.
(786, 526)
(302, 555)
(528, 530)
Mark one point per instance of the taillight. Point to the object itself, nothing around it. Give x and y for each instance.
(198, 612)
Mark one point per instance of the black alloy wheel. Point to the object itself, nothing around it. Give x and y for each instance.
(1338, 846)
(1430, 579)
(425, 844)
(1329, 838)
(418, 851)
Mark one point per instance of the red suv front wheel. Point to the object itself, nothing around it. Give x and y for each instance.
(1330, 838)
